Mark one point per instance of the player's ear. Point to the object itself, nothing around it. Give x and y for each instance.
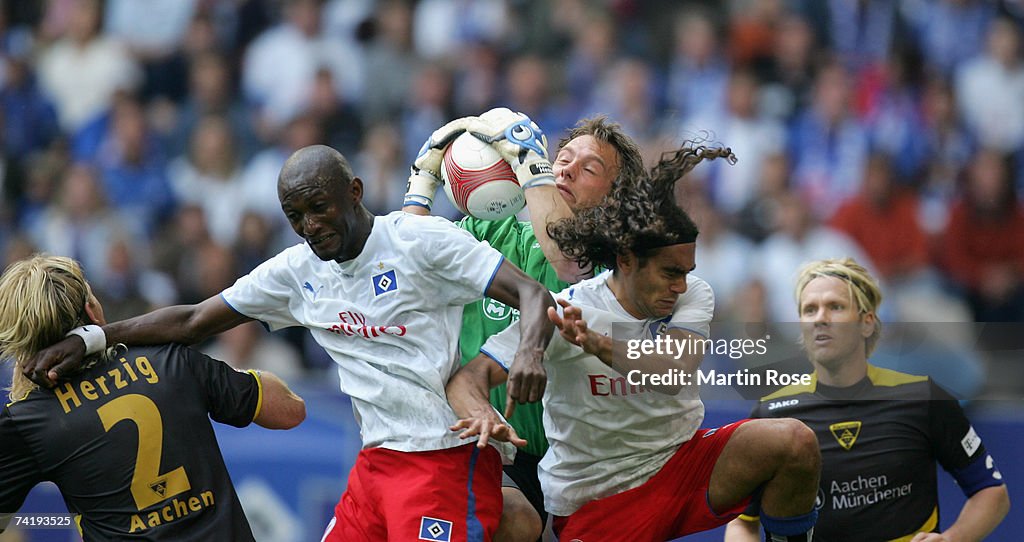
(356, 189)
(626, 261)
(94, 311)
(867, 324)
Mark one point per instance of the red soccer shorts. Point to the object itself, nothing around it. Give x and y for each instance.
(451, 495)
(673, 503)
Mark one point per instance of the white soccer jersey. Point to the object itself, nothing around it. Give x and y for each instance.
(389, 318)
(606, 436)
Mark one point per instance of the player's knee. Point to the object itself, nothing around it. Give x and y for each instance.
(802, 448)
(520, 522)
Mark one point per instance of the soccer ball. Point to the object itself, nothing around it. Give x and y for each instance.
(478, 181)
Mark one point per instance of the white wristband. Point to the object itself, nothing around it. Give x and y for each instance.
(95, 339)
(421, 189)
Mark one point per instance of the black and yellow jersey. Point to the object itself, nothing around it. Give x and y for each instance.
(880, 440)
(130, 445)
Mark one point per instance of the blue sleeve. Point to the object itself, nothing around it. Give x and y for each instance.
(956, 445)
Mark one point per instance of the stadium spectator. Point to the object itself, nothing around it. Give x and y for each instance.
(129, 285)
(724, 254)
(949, 32)
(981, 249)
(799, 238)
(828, 144)
(384, 168)
(950, 147)
(861, 33)
(878, 479)
(628, 462)
(530, 87)
(427, 106)
(990, 90)
(401, 281)
(29, 119)
(880, 208)
(72, 435)
(750, 135)
(210, 176)
(464, 23)
(699, 72)
(82, 71)
(177, 248)
(154, 33)
(80, 223)
(211, 93)
(627, 93)
(887, 98)
(595, 157)
(759, 218)
(592, 51)
(132, 167)
(281, 64)
(391, 63)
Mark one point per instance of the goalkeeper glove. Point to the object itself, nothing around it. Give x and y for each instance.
(519, 141)
(425, 173)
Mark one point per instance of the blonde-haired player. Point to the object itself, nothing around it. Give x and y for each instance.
(128, 439)
(880, 431)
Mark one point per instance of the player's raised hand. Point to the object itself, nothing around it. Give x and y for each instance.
(526, 380)
(425, 173)
(519, 141)
(488, 427)
(50, 364)
(574, 328)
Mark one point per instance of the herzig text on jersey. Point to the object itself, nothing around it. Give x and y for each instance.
(353, 324)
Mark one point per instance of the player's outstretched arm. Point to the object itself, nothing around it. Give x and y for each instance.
(980, 515)
(281, 408)
(185, 324)
(468, 394)
(526, 376)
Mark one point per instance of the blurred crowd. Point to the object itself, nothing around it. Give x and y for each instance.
(144, 137)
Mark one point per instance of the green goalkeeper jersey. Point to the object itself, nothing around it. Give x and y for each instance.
(481, 319)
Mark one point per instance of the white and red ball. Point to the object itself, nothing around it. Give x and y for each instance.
(479, 182)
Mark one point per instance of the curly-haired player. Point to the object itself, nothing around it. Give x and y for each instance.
(628, 462)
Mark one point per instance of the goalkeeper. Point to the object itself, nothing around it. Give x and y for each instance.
(595, 157)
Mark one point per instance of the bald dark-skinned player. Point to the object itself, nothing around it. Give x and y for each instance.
(384, 296)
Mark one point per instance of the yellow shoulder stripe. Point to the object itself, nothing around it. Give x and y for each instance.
(889, 378)
(259, 383)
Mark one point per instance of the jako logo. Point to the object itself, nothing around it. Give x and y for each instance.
(780, 404)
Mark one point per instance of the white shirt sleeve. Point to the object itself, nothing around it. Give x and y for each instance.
(461, 265)
(695, 308)
(265, 293)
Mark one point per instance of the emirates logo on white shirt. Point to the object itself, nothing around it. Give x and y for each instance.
(353, 324)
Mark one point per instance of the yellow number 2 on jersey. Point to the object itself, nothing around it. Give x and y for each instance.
(148, 485)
